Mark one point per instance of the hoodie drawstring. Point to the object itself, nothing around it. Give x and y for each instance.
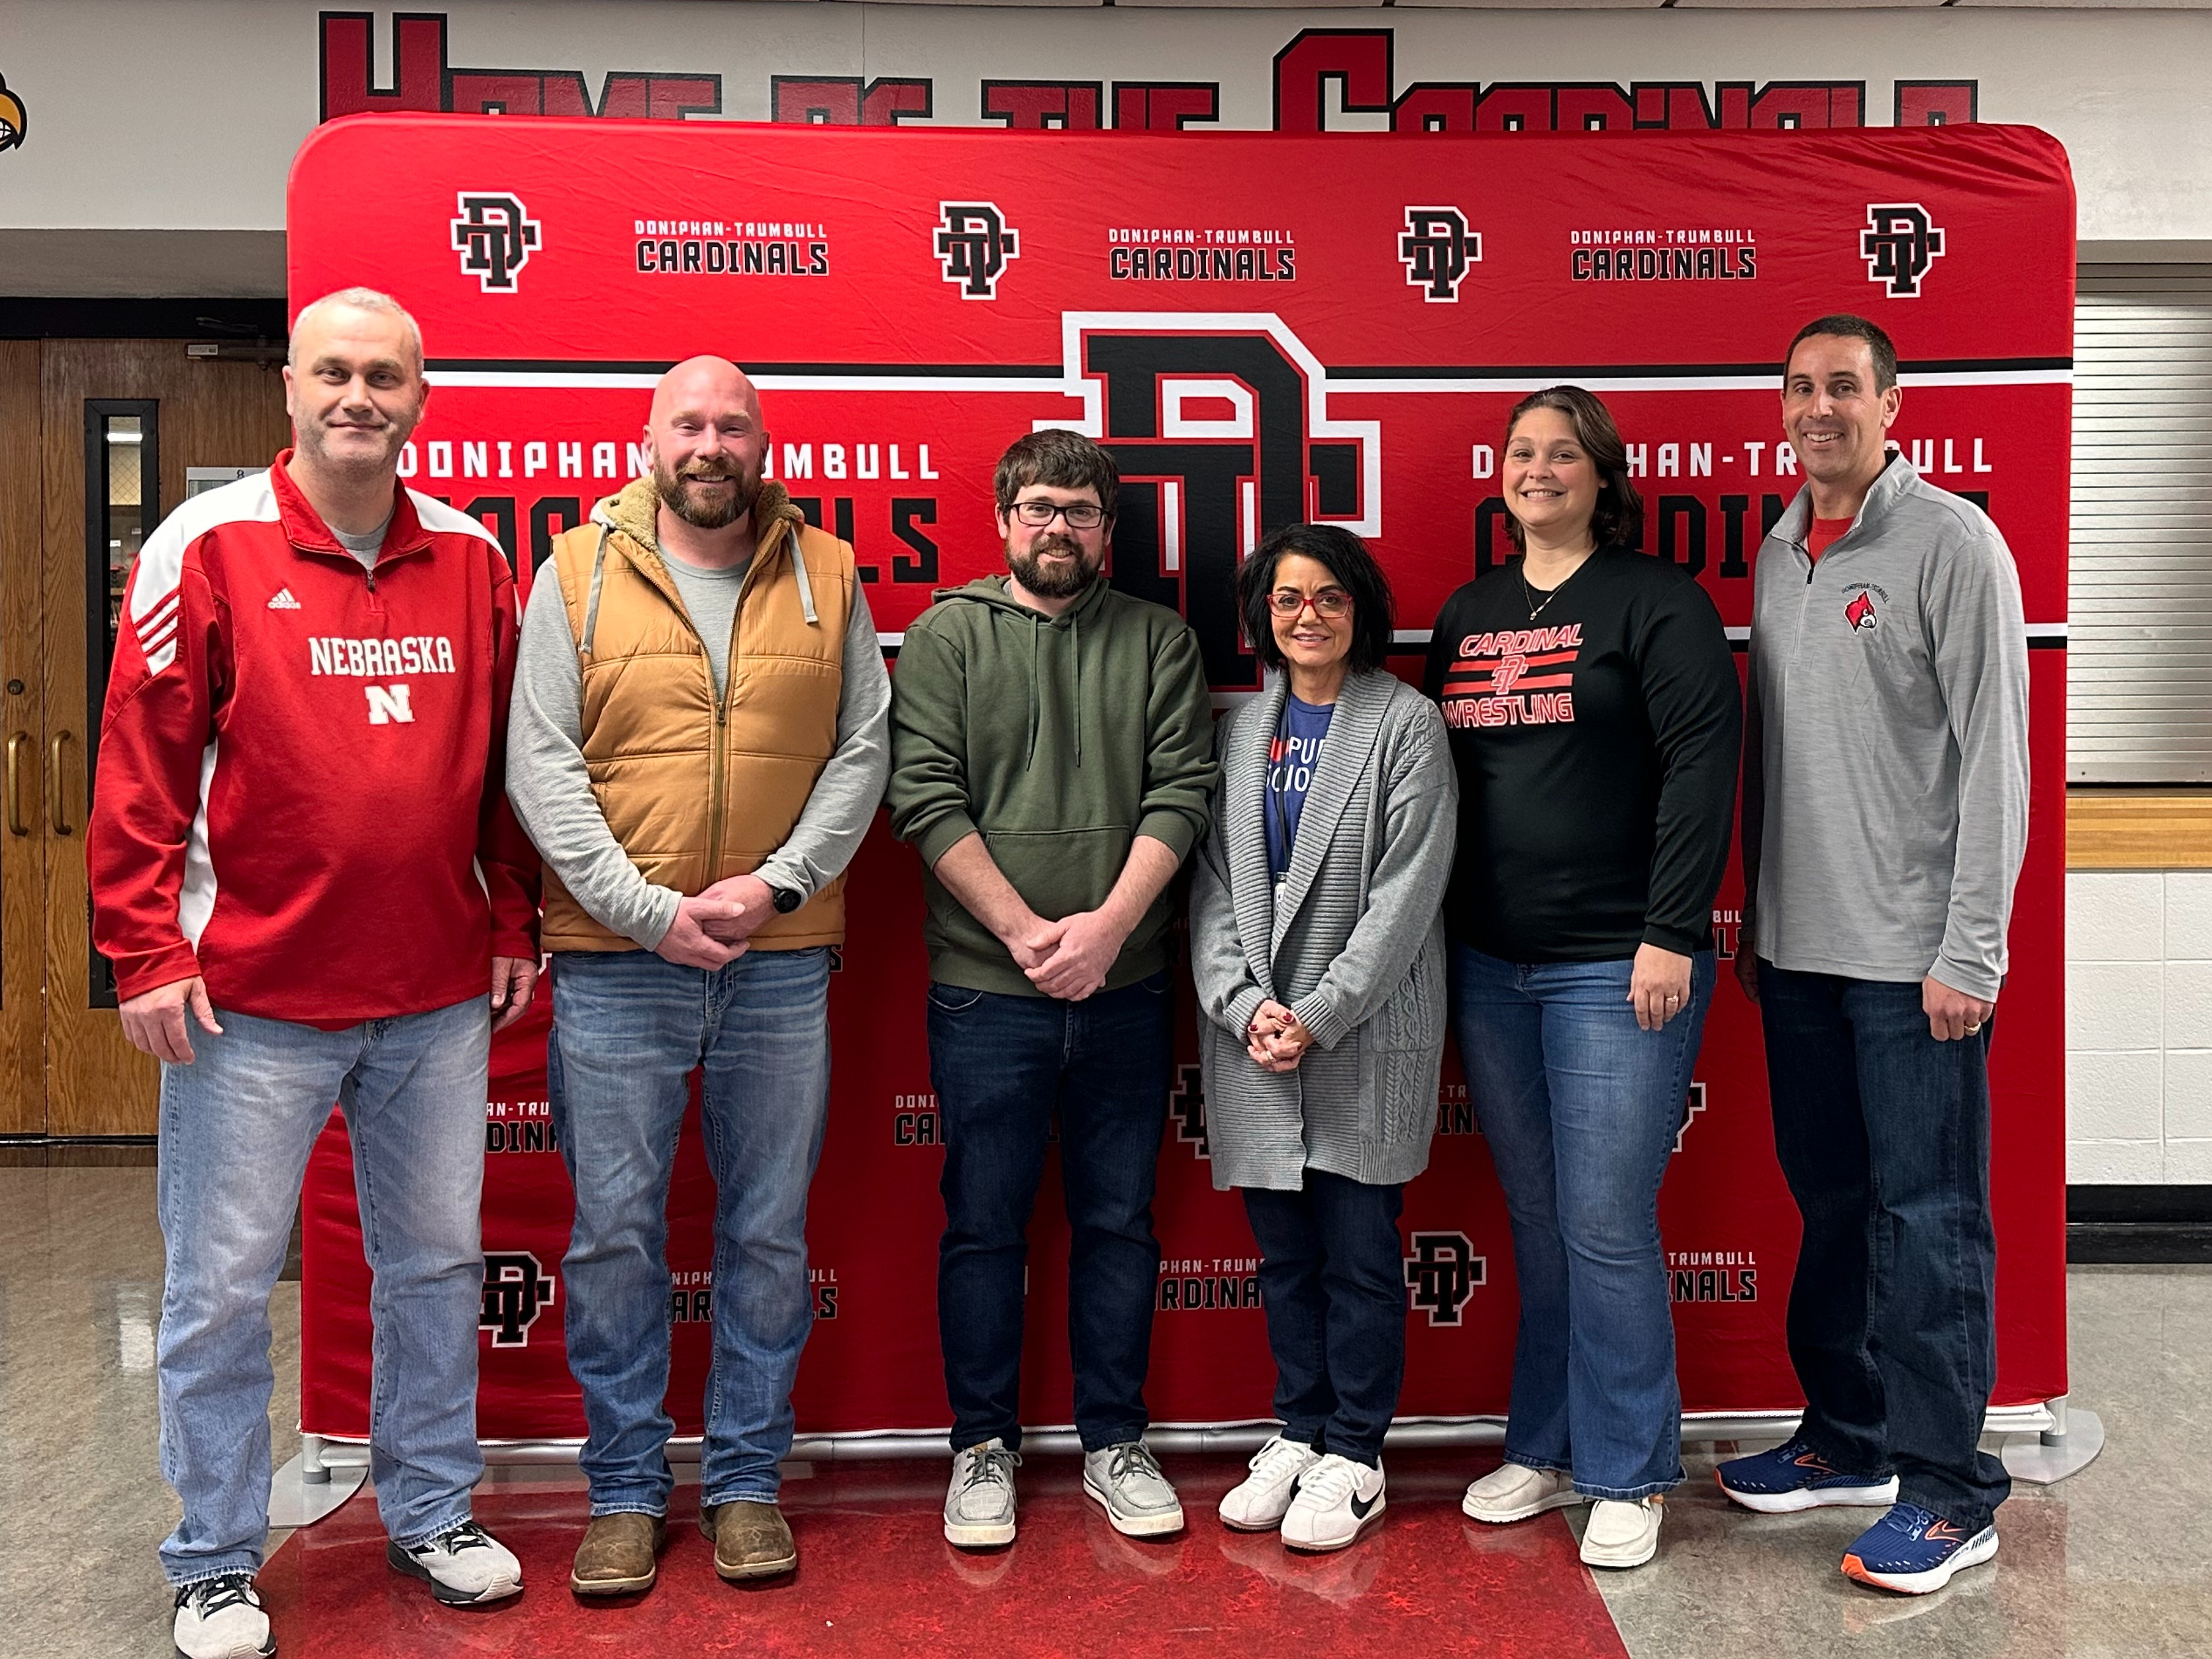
(805, 586)
(1037, 696)
(591, 602)
(1075, 628)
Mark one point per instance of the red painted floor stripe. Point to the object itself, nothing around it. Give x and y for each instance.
(877, 1578)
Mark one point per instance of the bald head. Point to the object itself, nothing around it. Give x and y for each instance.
(708, 441)
(705, 384)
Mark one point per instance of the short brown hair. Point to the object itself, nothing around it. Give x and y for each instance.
(1846, 326)
(1617, 520)
(1057, 458)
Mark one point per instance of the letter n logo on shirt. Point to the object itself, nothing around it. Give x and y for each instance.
(387, 703)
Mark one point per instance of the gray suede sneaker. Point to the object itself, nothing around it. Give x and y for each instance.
(1128, 1485)
(979, 1506)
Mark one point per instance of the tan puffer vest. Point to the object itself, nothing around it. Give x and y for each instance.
(695, 792)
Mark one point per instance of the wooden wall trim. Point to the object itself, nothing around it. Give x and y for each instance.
(2138, 829)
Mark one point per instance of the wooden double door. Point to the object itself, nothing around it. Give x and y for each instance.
(99, 440)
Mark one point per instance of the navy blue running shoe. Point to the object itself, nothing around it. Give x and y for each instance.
(1913, 1550)
(1796, 1477)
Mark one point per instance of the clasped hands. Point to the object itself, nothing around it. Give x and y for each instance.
(713, 926)
(1067, 959)
(1276, 1039)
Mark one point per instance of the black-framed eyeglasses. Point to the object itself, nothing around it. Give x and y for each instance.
(1080, 515)
(1331, 602)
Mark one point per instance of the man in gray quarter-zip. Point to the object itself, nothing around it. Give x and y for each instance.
(698, 741)
(1885, 815)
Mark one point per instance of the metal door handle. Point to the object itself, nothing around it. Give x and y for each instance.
(55, 803)
(15, 824)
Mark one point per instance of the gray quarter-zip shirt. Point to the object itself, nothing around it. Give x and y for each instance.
(1885, 796)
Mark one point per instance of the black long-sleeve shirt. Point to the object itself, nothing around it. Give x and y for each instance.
(1596, 745)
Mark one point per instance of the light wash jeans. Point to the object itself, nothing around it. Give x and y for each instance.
(1581, 1108)
(236, 1127)
(629, 1028)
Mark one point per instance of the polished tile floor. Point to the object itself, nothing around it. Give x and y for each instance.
(2115, 1562)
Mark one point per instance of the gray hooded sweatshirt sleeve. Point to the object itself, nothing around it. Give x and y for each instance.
(1886, 775)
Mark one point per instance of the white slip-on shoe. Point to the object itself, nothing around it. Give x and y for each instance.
(1514, 1491)
(979, 1505)
(1337, 1500)
(1622, 1533)
(222, 1619)
(464, 1567)
(1256, 1503)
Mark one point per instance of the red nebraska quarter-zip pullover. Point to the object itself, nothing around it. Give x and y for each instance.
(299, 793)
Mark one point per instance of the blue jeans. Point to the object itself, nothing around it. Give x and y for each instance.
(236, 1127)
(628, 1030)
(1332, 1272)
(1581, 1108)
(1003, 1067)
(1883, 1132)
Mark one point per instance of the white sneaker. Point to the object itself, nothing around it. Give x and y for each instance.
(1621, 1535)
(222, 1619)
(464, 1565)
(979, 1505)
(1256, 1503)
(1126, 1481)
(1514, 1491)
(1338, 1499)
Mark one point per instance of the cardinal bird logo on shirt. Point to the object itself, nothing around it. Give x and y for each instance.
(1509, 670)
(1859, 613)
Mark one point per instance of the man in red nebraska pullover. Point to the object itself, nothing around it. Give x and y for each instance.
(306, 873)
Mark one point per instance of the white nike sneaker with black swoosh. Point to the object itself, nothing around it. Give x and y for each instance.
(1337, 1501)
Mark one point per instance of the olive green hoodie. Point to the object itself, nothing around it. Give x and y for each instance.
(1060, 739)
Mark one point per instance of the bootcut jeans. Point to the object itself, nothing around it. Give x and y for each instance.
(1581, 1109)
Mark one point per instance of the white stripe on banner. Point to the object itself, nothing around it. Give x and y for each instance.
(2031, 630)
(581, 380)
(1693, 382)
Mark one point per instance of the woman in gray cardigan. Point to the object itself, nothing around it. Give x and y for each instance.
(1318, 952)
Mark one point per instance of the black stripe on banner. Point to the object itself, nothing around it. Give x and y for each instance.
(582, 366)
(1549, 372)
(1667, 371)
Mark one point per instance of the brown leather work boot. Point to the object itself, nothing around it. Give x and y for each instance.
(750, 1540)
(617, 1555)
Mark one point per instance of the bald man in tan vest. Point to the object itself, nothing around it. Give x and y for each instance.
(697, 745)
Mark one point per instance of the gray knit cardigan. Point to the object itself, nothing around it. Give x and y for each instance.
(1353, 943)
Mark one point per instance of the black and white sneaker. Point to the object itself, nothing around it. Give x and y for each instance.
(464, 1565)
(1337, 1500)
(222, 1619)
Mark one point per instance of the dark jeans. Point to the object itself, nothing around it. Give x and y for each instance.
(1884, 1134)
(1331, 1271)
(1001, 1065)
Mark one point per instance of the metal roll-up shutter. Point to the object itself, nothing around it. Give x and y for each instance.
(2139, 627)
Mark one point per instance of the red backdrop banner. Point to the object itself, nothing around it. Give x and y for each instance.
(1262, 327)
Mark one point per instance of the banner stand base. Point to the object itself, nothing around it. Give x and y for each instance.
(2065, 1443)
(2067, 1447)
(309, 1487)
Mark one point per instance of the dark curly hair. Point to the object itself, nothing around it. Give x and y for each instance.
(1356, 571)
(1617, 520)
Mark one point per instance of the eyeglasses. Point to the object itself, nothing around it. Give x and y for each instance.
(1080, 515)
(1331, 602)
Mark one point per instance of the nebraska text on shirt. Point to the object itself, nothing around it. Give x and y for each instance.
(415, 654)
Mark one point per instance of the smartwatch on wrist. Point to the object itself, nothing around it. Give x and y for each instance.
(785, 899)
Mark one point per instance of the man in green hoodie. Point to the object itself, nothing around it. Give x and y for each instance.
(1052, 761)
